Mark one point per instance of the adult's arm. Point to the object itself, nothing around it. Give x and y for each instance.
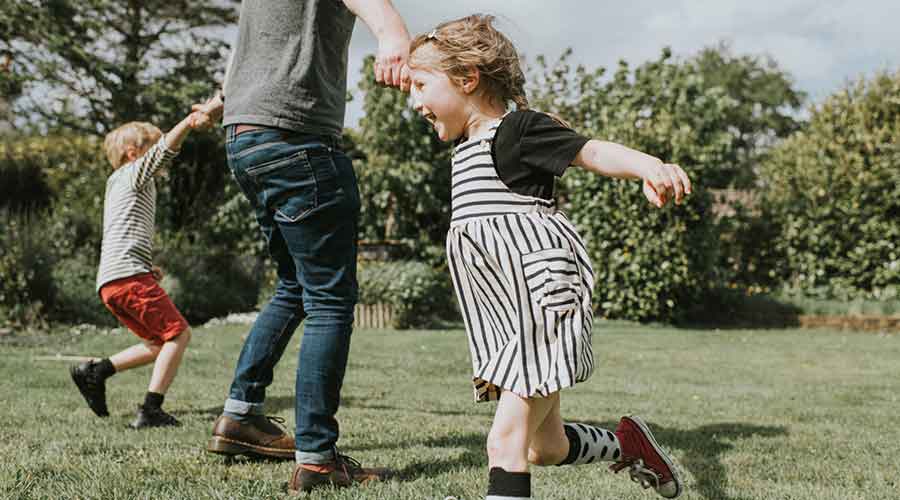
(385, 23)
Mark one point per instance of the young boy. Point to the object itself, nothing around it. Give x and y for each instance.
(127, 280)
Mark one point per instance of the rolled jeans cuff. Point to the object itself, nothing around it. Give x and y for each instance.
(238, 407)
(313, 457)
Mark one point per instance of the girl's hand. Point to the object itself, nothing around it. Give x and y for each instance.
(666, 181)
(157, 273)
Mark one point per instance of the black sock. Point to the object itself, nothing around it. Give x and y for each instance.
(574, 446)
(509, 484)
(153, 399)
(105, 368)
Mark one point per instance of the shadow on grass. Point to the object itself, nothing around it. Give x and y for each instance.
(351, 402)
(703, 447)
(473, 456)
(730, 309)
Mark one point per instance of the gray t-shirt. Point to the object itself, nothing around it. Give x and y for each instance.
(289, 66)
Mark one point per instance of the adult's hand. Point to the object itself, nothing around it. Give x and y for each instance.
(390, 63)
(388, 27)
(206, 115)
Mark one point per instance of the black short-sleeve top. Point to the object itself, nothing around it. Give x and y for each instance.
(531, 149)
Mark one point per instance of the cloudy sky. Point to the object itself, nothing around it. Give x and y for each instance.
(821, 43)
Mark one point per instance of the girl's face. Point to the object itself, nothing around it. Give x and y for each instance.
(440, 101)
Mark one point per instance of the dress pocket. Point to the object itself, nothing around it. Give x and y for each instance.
(552, 278)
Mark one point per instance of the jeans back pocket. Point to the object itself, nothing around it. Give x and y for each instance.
(287, 186)
(553, 279)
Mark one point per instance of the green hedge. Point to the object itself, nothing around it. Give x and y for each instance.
(649, 264)
(419, 294)
(833, 194)
(76, 299)
(26, 263)
(206, 283)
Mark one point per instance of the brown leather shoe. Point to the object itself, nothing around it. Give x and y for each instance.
(258, 436)
(343, 472)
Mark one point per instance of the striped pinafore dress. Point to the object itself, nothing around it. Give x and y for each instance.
(523, 280)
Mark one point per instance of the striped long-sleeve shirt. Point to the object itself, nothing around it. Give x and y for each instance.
(129, 213)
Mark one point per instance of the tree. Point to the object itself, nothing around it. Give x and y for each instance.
(649, 264)
(404, 172)
(90, 65)
(87, 66)
(767, 107)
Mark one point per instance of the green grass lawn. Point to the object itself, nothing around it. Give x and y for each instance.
(748, 414)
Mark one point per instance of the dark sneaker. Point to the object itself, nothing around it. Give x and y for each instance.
(647, 463)
(259, 435)
(343, 472)
(153, 416)
(91, 385)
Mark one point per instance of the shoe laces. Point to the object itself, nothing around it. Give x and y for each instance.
(639, 473)
(343, 461)
(279, 421)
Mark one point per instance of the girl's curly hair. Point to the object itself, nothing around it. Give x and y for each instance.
(473, 42)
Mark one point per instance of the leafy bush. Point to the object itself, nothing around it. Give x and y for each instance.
(26, 261)
(419, 294)
(74, 172)
(205, 282)
(649, 264)
(76, 299)
(23, 186)
(833, 194)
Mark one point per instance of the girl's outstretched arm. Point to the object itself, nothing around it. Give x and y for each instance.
(662, 181)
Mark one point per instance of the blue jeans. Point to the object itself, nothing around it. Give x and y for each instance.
(305, 196)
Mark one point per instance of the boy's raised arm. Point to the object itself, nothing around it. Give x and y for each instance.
(157, 156)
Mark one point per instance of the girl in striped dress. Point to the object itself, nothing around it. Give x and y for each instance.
(520, 269)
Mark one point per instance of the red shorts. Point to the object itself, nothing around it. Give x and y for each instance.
(142, 306)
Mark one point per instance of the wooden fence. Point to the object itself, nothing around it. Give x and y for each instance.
(375, 316)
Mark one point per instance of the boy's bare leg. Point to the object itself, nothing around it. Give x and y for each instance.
(168, 361)
(134, 356)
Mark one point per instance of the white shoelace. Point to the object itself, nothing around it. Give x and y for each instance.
(642, 475)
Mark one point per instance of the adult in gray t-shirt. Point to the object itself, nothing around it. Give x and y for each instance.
(283, 112)
(289, 66)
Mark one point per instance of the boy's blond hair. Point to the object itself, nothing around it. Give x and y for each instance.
(140, 135)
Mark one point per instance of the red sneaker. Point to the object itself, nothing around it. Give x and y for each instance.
(647, 463)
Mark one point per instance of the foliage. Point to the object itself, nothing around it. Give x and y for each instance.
(419, 294)
(26, 260)
(832, 192)
(76, 299)
(23, 185)
(205, 281)
(404, 172)
(767, 105)
(74, 171)
(89, 65)
(649, 264)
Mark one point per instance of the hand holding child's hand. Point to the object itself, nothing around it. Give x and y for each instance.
(204, 116)
(664, 182)
(199, 121)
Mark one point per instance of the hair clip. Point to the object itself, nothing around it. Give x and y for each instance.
(433, 34)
